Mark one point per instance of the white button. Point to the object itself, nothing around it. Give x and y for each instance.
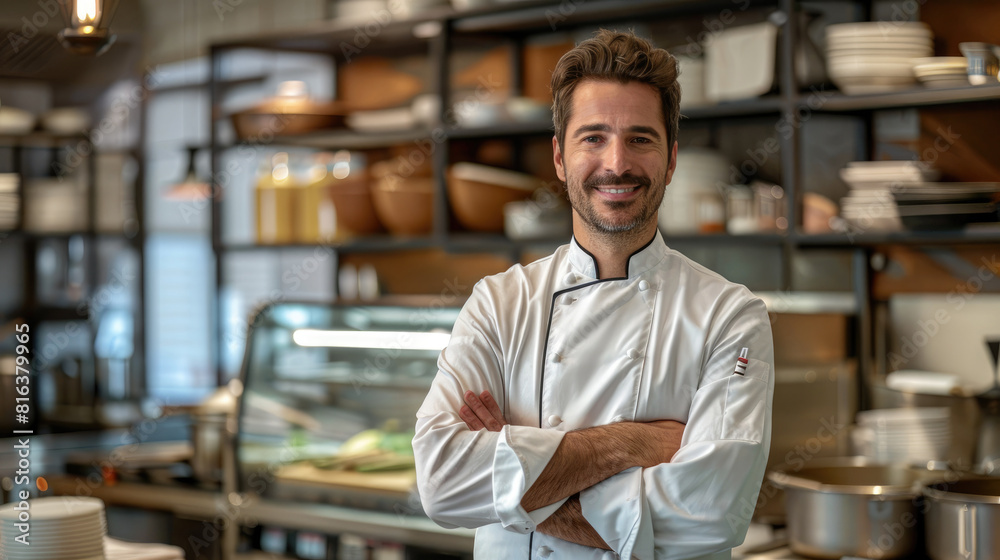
(643, 285)
(633, 354)
(555, 358)
(554, 420)
(571, 278)
(617, 419)
(544, 551)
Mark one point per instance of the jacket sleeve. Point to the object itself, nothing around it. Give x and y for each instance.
(701, 502)
(466, 478)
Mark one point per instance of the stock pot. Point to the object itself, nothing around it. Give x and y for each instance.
(850, 507)
(963, 519)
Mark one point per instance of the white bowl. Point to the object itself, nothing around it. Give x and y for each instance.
(526, 109)
(855, 60)
(834, 43)
(879, 30)
(893, 52)
(66, 120)
(15, 121)
(856, 69)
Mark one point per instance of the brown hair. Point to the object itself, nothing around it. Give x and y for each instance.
(623, 57)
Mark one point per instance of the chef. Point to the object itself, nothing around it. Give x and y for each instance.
(612, 400)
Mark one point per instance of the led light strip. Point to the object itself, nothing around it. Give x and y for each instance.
(372, 339)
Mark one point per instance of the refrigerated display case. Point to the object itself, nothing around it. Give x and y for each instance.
(326, 418)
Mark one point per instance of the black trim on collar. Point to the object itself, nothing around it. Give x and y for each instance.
(628, 261)
(597, 269)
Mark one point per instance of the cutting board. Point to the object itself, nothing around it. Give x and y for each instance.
(396, 481)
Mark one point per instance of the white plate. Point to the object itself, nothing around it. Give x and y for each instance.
(950, 76)
(943, 73)
(69, 551)
(943, 61)
(64, 550)
(950, 83)
(56, 507)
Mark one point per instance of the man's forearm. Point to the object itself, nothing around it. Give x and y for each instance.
(586, 457)
(568, 524)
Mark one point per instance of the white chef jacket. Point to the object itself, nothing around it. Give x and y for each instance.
(561, 350)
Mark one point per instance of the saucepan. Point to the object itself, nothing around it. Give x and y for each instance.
(963, 519)
(851, 507)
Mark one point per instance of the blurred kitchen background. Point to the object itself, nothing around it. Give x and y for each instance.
(223, 172)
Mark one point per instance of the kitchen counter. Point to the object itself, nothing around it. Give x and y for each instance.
(234, 510)
(50, 451)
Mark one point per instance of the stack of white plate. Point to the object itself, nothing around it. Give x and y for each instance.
(870, 204)
(876, 57)
(67, 528)
(942, 71)
(905, 435)
(10, 202)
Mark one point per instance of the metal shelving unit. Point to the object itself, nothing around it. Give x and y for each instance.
(35, 312)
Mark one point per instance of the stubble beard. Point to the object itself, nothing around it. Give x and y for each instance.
(616, 232)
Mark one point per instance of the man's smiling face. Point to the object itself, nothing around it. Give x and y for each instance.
(615, 158)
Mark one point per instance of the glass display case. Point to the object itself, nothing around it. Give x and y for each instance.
(330, 397)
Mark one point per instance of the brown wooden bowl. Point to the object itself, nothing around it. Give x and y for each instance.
(287, 118)
(405, 205)
(478, 194)
(355, 206)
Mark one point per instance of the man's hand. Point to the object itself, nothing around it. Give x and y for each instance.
(569, 524)
(482, 411)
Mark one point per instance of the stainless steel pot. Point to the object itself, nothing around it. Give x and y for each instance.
(963, 519)
(851, 508)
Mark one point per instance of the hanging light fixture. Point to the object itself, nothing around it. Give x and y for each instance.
(88, 25)
(190, 187)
